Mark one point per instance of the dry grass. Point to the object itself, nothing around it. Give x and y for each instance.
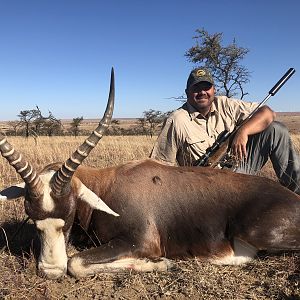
(266, 278)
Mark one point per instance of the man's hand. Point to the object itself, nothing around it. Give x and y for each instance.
(239, 143)
(259, 122)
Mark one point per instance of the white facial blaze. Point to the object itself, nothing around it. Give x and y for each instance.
(48, 203)
(53, 258)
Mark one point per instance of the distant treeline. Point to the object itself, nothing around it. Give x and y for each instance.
(33, 123)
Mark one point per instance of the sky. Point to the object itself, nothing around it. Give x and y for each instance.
(57, 54)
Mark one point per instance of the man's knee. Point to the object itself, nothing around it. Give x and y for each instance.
(277, 129)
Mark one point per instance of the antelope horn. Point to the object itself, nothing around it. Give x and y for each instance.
(61, 179)
(26, 171)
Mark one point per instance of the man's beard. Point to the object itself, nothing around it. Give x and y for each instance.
(203, 102)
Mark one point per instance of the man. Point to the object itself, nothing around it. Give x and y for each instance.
(190, 130)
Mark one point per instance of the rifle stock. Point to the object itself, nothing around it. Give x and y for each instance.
(217, 155)
(216, 158)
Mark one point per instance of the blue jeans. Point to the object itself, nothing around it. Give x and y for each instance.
(274, 143)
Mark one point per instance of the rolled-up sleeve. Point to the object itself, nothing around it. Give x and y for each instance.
(234, 111)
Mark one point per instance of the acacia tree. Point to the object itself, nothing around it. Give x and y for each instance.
(14, 127)
(142, 125)
(36, 124)
(115, 128)
(151, 120)
(223, 62)
(27, 118)
(52, 125)
(76, 122)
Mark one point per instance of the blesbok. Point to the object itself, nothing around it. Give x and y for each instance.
(145, 213)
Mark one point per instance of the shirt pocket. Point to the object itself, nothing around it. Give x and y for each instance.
(196, 146)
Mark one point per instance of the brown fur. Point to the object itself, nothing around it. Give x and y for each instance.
(185, 211)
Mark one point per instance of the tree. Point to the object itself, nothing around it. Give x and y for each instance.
(142, 125)
(223, 62)
(151, 120)
(52, 125)
(115, 127)
(36, 124)
(14, 125)
(27, 117)
(75, 125)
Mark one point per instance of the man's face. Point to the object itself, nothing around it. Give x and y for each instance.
(201, 96)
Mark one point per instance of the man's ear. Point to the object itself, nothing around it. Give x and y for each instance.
(13, 192)
(89, 197)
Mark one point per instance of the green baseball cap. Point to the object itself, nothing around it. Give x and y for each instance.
(199, 75)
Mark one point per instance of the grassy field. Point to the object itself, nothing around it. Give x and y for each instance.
(269, 277)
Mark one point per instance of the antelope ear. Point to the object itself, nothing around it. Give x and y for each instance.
(88, 196)
(13, 192)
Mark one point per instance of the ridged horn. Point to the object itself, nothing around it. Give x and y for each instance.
(61, 179)
(26, 171)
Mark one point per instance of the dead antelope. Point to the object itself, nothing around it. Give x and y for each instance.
(145, 213)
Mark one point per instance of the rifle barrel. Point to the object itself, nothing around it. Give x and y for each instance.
(274, 90)
(282, 81)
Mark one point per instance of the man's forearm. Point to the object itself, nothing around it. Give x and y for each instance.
(259, 121)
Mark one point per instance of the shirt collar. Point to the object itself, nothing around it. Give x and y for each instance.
(193, 113)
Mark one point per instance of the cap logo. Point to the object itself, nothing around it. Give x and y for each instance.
(200, 73)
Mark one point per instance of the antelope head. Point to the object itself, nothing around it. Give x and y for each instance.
(51, 196)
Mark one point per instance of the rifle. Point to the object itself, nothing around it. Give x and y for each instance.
(217, 156)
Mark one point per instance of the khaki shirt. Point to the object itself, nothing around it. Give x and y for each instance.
(186, 135)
